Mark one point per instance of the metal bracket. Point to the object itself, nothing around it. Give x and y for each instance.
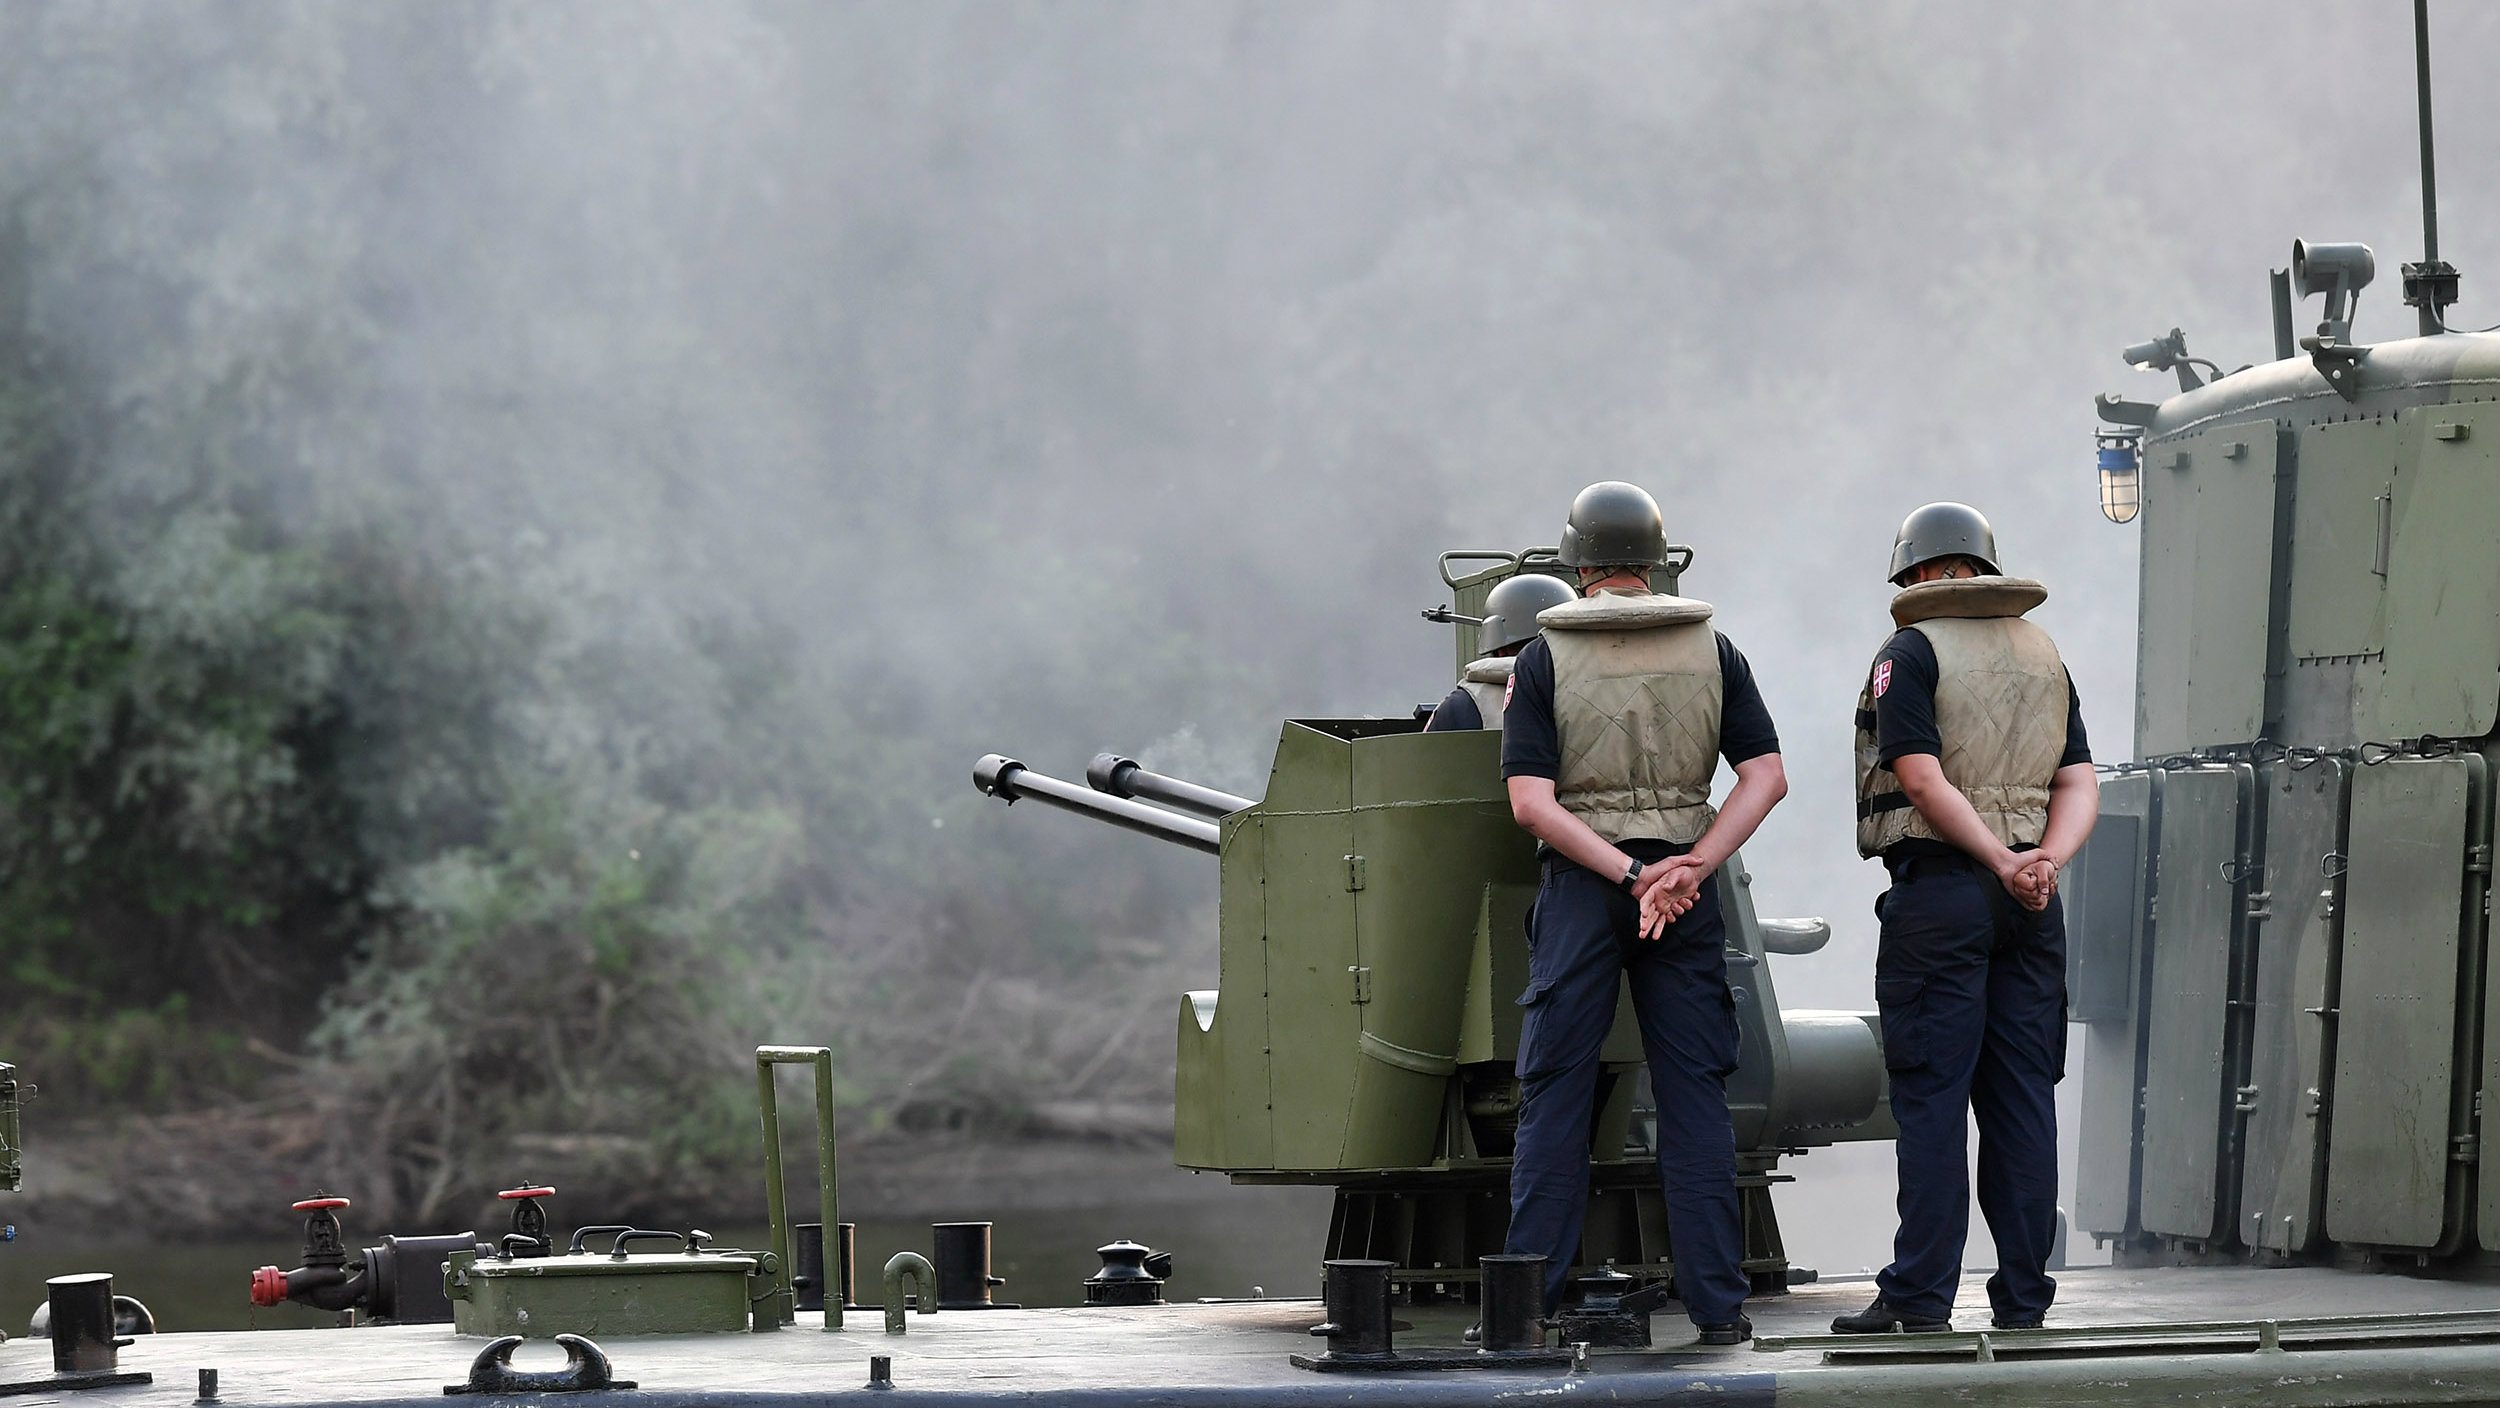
(2338, 362)
(585, 1370)
(1362, 984)
(1353, 872)
(2478, 860)
(2464, 1149)
(2117, 410)
(2260, 904)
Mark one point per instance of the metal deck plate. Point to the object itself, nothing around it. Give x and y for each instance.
(1236, 1356)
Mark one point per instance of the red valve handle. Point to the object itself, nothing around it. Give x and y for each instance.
(511, 1194)
(320, 1204)
(268, 1287)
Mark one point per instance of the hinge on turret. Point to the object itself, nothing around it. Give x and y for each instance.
(1354, 872)
(2261, 904)
(2314, 1102)
(2464, 1149)
(2247, 1101)
(1362, 984)
(2478, 860)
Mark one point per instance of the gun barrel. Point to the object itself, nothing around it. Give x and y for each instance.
(1122, 777)
(1011, 781)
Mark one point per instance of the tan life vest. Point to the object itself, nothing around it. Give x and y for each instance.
(1487, 681)
(2001, 704)
(1636, 708)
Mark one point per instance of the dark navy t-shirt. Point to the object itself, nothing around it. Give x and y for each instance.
(1905, 719)
(1532, 746)
(1457, 712)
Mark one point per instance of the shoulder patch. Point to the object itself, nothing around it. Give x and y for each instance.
(1883, 677)
(1509, 686)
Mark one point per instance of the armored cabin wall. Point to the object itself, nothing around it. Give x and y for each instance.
(2278, 935)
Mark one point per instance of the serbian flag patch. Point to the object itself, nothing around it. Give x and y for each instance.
(1883, 677)
(1507, 686)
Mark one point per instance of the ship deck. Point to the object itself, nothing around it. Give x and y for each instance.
(2117, 1335)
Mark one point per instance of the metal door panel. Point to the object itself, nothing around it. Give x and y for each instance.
(2441, 674)
(2283, 1170)
(2339, 587)
(2200, 858)
(2105, 907)
(2208, 570)
(2387, 1145)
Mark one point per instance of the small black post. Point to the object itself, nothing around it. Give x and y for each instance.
(807, 1252)
(880, 1367)
(82, 1323)
(1514, 1291)
(1356, 1294)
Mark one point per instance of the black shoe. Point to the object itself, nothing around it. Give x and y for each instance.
(1473, 1334)
(1883, 1317)
(2002, 1323)
(1735, 1331)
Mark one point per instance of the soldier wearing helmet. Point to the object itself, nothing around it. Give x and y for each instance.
(1618, 716)
(1509, 624)
(1975, 786)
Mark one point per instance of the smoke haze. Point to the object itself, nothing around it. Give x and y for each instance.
(1055, 377)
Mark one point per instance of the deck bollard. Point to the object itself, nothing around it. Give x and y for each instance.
(1514, 1294)
(1356, 1294)
(82, 1323)
(961, 1252)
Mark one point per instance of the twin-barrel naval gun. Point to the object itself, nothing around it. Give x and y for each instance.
(1362, 1033)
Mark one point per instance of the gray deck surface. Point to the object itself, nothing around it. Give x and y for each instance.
(1239, 1346)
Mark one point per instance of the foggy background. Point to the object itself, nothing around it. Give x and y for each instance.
(643, 453)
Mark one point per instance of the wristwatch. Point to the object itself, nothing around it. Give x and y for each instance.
(1631, 875)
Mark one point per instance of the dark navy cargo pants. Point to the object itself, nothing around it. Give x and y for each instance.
(1972, 989)
(1583, 932)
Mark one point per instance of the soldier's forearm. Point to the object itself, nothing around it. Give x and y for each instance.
(1760, 784)
(1946, 811)
(1533, 806)
(2074, 804)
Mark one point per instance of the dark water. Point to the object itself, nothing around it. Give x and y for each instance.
(1265, 1238)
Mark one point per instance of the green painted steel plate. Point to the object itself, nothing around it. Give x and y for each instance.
(2105, 1188)
(2390, 1125)
(2283, 1174)
(2441, 675)
(2201, 850)
(2207, 572)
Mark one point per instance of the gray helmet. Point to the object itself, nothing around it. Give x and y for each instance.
(1510, 609)
(1614, 524)
(1943, 530)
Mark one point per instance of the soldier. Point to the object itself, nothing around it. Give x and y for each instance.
(1509, 624)
(1616, 720)
(1975, 785)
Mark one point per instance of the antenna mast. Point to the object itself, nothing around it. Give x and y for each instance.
(2431, 285)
